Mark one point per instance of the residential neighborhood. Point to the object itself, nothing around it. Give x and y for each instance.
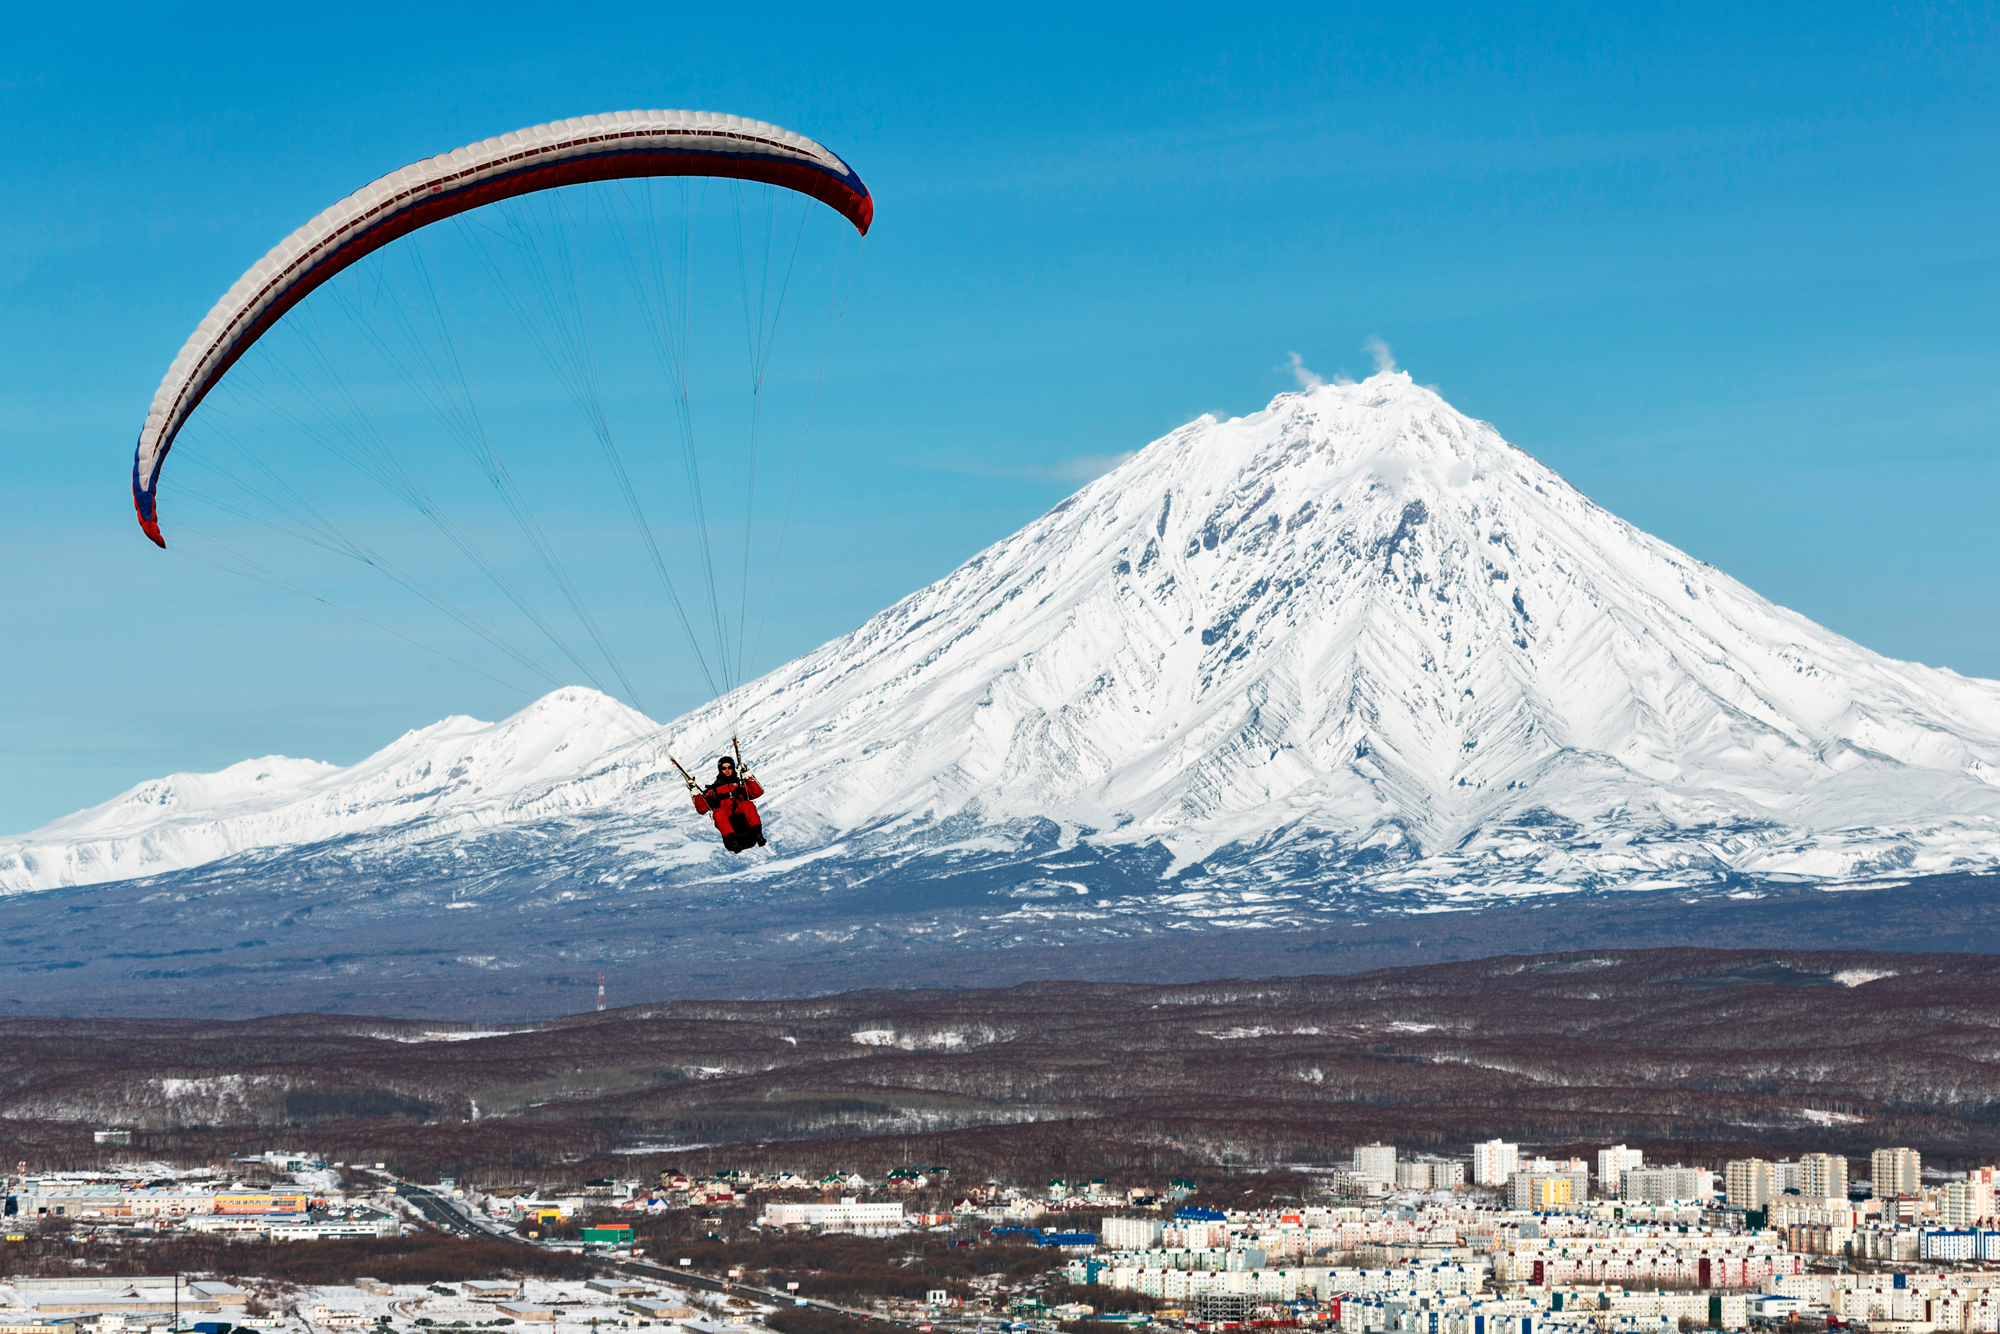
(1500, 1241)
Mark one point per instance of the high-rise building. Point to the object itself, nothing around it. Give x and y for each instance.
(1823, 1176)
(1896, 1172)
(1612, 1162)
(1747, 1183)
(1494, 1161)
(1966, 1203)
(1376, 1162)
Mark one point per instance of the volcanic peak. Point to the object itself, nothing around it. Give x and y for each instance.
(1355, 643)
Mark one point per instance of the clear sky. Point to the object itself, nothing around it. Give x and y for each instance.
(1731, 269)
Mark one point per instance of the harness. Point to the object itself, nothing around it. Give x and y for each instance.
(696, 788)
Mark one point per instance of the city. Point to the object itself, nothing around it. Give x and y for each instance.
(1498, 1240)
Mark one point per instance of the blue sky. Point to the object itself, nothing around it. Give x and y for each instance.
(1730, 269)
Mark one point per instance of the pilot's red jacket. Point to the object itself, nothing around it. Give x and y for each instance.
(730, 803)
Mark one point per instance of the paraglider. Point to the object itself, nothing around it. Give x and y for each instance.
(731, 801)
(624, 149)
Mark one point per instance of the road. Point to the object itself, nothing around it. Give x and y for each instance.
(654, 1272)
(440, 1210)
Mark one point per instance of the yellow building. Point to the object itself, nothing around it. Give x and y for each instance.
(1546, 1193)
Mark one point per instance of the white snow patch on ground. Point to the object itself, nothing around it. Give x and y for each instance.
(200, 1088)
(577, 1308)
(1820, 1118)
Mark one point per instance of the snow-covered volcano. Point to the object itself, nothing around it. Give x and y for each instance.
(1355, 642)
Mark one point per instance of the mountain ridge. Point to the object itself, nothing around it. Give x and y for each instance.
(1353, 648)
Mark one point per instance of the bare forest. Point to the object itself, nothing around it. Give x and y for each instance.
(1691, 1054)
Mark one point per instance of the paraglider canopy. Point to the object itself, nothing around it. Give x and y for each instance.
(616, 146)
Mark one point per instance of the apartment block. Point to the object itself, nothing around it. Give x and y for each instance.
(1747, 1183)
(1611, 1164)
(1494, 1161)
(1666, 1185)
(1376, 1162)
(1896, 1172)
(1823, 1176)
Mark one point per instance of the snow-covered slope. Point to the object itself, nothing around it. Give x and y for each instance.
(461, 774)
(1354, 642)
